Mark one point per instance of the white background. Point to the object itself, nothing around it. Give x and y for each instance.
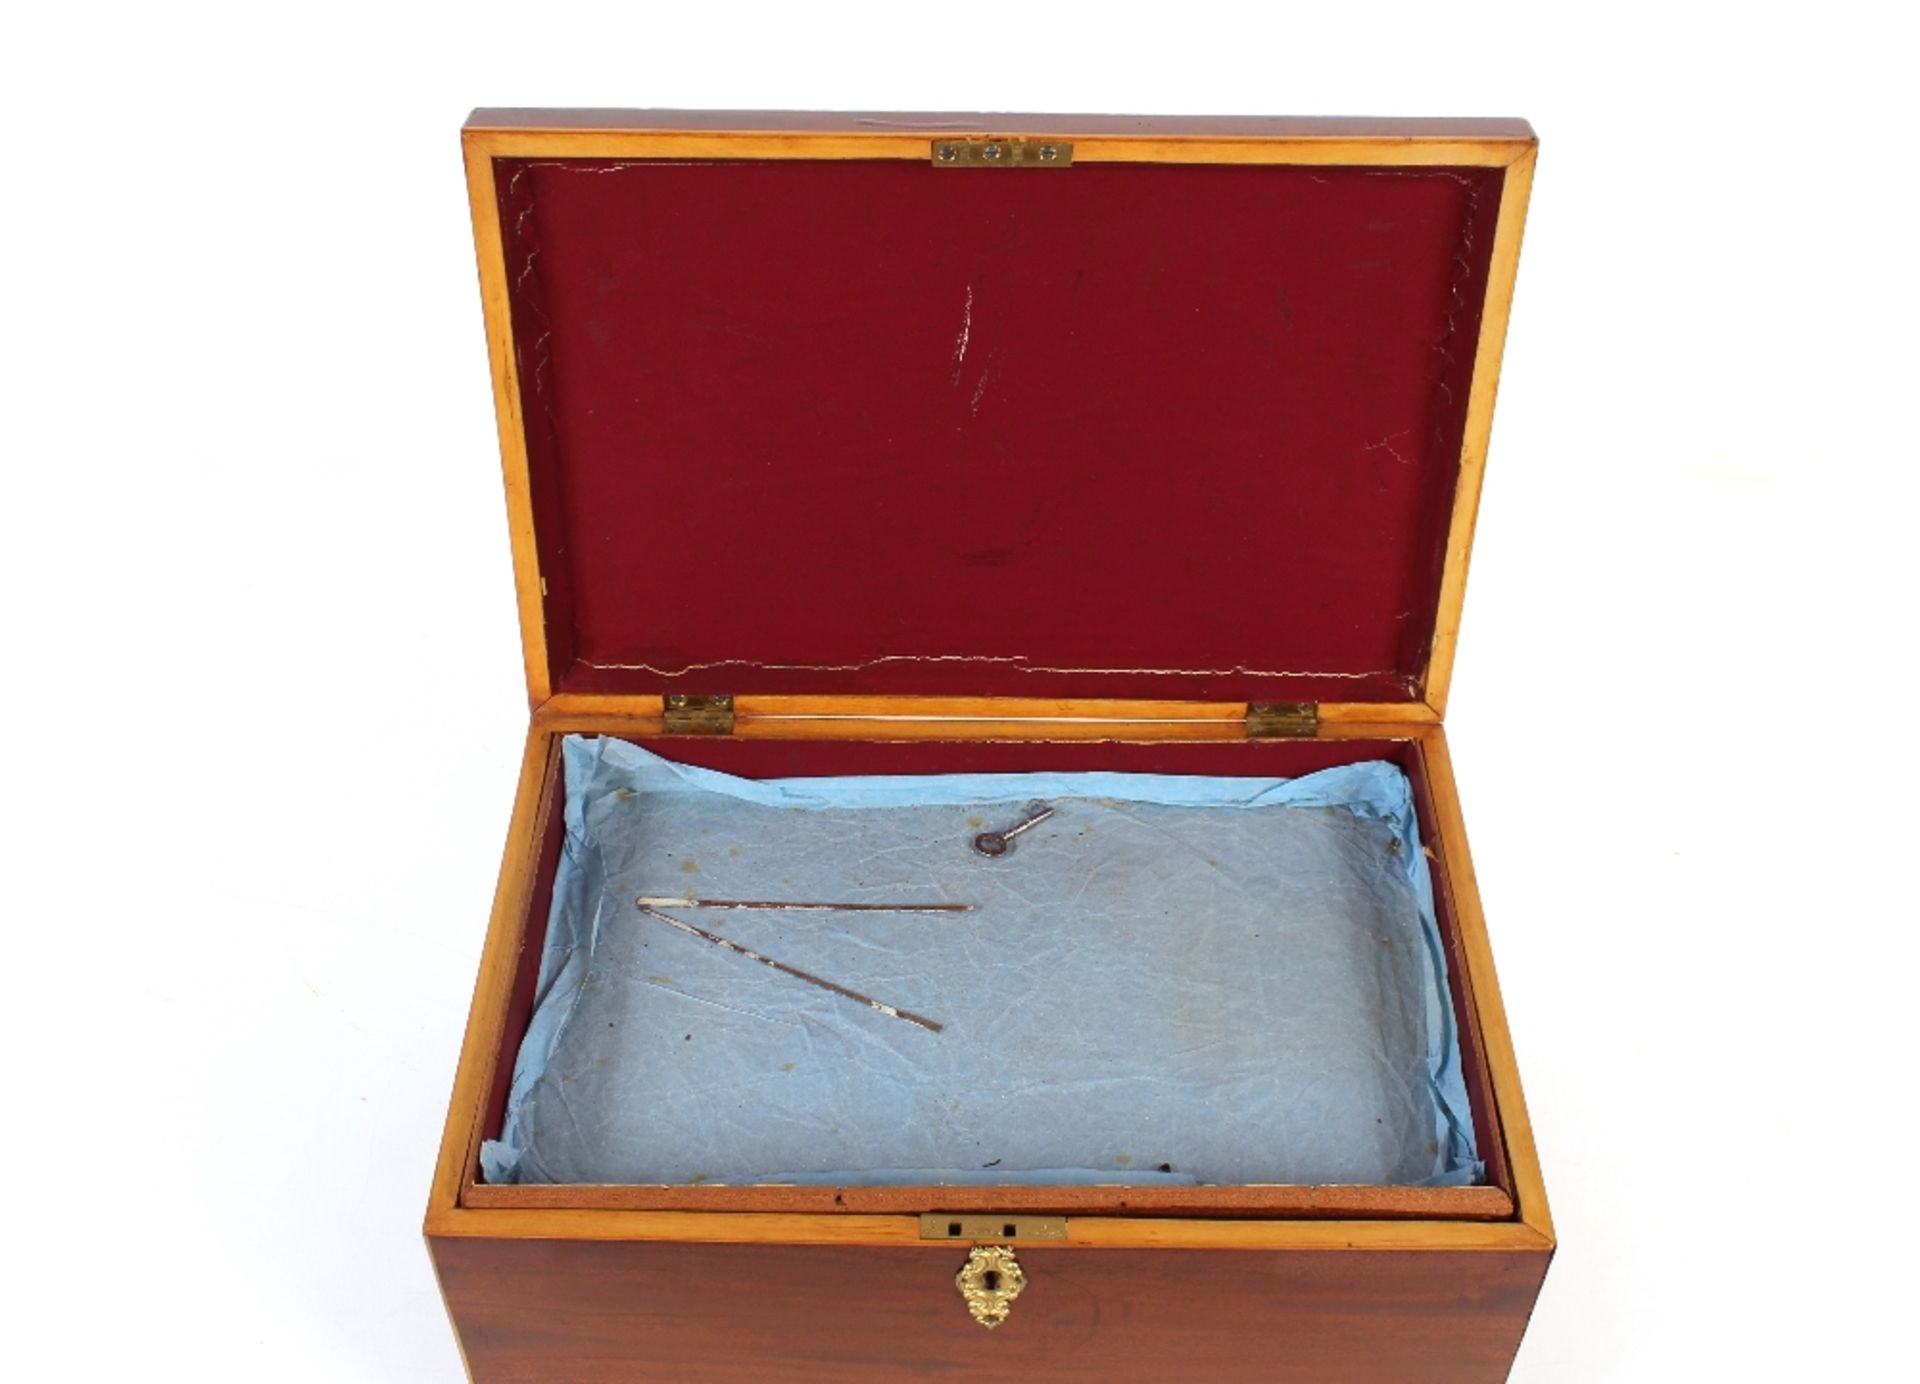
(252, 516)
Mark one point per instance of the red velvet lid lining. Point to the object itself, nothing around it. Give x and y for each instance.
(1115, 430)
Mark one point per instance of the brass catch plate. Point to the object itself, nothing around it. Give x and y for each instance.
(939, 1225)
(696, 715)
(1002, 153)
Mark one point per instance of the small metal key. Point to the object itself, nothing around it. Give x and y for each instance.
(997, 843)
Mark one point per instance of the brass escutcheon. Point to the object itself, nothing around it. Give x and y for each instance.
(990, 1280)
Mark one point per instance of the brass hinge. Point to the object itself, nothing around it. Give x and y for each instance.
(940, 1225)
(695, 715)
(1282, 720)
(1002, 153)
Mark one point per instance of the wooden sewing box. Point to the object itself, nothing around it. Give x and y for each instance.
(847, 444)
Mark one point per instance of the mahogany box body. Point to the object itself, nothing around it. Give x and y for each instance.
(874, 444)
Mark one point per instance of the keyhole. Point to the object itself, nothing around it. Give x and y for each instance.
(993, 1280)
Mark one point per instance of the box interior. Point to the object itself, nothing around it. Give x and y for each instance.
(768, 759)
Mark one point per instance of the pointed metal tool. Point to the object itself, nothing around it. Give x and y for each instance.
(728, 944)
(782, 905)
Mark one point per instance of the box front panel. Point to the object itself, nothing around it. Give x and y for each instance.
(590, 1312)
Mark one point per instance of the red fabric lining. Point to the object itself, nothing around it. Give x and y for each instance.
(873, 427)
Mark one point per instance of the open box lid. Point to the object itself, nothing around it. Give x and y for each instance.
(994, 406)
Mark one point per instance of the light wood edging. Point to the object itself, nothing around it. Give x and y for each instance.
(971, 718)
(1090, 1232)
(1255, 1202)
(1470, 923)
(490, 251)
(488, 1014)
(1391, 150)
(1502, 269)
(1048, 709)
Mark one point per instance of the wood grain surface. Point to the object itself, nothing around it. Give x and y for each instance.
(1347, 1286)
(549, 1311)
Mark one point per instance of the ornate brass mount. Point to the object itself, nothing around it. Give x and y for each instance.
(990, 1280)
